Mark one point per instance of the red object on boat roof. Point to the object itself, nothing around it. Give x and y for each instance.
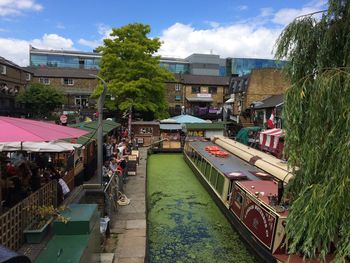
(215, 150)
(221, 154)
(212, 148)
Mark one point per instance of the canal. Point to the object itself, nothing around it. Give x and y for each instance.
(184, 224)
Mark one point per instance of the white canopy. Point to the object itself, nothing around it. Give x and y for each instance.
(55, 146)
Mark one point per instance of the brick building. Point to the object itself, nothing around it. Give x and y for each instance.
(197, 95)
(13, 79)
(76, 84)
(246, 90)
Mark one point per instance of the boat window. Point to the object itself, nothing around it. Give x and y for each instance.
(239, 198)
(213, 177)
(204, 165)
(220, 183)
(207, 171)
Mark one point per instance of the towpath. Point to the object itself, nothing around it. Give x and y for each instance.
(129, 224)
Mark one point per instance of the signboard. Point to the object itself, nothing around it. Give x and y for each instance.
(260, 222)
(63, 119)
(203, 95)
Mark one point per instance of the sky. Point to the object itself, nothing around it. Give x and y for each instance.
(229, 28)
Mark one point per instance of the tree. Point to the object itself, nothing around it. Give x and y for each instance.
(317, 118)
(135, 78)
(41, 99)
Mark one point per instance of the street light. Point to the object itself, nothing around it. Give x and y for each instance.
(100, 103)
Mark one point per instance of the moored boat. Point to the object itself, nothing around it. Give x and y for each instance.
(247, 185)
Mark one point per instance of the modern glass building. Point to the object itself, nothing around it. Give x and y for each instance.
(63, 59)
(175, 65)
(243, 66)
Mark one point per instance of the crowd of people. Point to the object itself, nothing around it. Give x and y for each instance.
(115, 156)
(22, 176)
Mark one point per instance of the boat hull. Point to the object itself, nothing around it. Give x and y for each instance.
(254, 244)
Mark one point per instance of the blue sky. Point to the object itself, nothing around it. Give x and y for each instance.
(224, 27)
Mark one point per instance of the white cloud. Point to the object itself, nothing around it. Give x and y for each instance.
(237, 40)
(16, 7)
(60, 25)
(89, 43)
(286, 15)
(103, 30)
(53, 41)
(17, 50)
(242, 7)
(252, 37)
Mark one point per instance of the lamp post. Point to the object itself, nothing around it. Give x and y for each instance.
(100, 103)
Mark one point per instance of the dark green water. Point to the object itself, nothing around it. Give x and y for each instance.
(184, 224)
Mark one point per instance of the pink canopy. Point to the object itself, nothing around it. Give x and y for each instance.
(21, 130)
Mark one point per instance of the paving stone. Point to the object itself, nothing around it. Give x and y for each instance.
(106, 257)
(131, 216)
(132, 247)
(140, 232)
(134, 224)
(130, 260)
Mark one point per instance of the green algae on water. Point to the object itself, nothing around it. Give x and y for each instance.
(184, 224)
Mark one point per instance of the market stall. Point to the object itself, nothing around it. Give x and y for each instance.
(145, 132)
(272, 141)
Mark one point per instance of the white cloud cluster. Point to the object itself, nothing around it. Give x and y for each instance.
(238, 40)
(16, 7)
(253, 37)
(103, 30)
(17, 50)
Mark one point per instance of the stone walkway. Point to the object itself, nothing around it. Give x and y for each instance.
(129, 222)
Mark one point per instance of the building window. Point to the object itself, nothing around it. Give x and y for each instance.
(196, 89)
(69, 82)
(177, 98)
(213, 90)
(146, 130)
(28, 77)
(45, 81)
(81, 101)
(3, 69)
(177, 87)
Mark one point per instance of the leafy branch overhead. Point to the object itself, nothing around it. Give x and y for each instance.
(129, 65)
(317, 118)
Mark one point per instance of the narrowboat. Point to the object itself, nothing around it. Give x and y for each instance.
(247, 185)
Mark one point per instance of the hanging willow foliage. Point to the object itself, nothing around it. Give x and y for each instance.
(317, 118)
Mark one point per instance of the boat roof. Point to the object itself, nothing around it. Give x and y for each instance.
(264, 189)
(231, 165)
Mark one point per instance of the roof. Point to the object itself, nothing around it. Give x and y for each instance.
(169, 120)
(202, 79)
(201, 99)
(63, 72)
(107, 126)
(170, 126)
(9, 63)
(269, 102)
(145, 123)
(205, 126)
(187, 119)
(64, 52)
(239, 84)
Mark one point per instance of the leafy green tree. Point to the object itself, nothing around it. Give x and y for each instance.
(41, 99)
(135, 78)
(317, 118)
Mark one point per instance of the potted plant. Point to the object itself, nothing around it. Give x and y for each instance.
(39, 228)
